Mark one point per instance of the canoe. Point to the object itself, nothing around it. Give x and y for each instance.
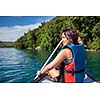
(46, 79)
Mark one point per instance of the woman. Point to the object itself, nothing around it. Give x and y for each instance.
(71, 59)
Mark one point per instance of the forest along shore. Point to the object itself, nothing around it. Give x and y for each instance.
(4, 44)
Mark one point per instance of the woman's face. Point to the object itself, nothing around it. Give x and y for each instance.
(65, 39)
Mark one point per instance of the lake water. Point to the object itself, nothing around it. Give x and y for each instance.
(21, 65)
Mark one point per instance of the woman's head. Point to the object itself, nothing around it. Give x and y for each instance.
(69, 35)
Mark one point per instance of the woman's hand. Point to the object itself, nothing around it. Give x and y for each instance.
(80, 40)
(38, 73)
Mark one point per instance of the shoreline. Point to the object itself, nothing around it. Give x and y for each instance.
(93, 50)
(39, 49)
(90, 50)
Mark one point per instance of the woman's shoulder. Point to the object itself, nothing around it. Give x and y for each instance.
(65, 46)
(66, 50)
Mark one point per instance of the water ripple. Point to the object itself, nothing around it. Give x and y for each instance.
(17, 65)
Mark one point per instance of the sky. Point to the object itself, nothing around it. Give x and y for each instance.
(13, 27)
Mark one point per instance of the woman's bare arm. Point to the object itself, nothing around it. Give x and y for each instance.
(66, 53)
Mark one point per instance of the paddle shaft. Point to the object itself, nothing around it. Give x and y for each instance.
(50, 56)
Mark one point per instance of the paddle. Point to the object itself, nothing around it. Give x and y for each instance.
(36, 78)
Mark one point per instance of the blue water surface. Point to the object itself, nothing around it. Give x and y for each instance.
(20, 66)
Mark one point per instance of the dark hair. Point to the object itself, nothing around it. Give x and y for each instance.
(71, 33)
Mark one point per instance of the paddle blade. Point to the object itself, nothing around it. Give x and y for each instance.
(39, 78)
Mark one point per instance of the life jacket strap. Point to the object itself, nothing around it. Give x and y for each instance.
(74, 71)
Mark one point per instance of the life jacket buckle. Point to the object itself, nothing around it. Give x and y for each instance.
(73, 72)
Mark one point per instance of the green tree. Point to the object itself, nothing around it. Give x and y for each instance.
(47, 34)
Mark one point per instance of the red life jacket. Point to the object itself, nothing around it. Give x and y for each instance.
(68, 77)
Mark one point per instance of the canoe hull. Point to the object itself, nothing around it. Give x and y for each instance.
(87, 79)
